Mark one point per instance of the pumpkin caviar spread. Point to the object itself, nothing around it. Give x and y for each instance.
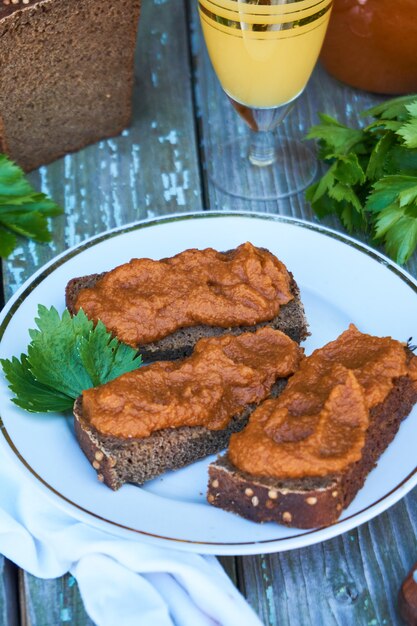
(317, 425)
(217, 382)
(145, 300)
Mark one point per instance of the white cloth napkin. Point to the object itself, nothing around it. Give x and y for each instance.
(122, 581)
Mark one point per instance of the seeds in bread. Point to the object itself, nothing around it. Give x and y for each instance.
(118, 461)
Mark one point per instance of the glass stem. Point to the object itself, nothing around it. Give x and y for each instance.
(262, 151)
(262, 148)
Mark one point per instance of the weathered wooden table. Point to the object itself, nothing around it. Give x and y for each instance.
(155, 168)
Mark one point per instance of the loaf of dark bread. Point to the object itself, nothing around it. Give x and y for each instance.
(316, 501)
(66, 75)
(291, 320)
(120, 457)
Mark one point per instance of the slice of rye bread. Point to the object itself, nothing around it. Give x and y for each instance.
(310, 502)
(118, 461)
(290, 320)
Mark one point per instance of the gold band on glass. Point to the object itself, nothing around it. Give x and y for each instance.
(238, 10)
(272, 25)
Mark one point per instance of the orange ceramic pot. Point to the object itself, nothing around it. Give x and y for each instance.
(372, 44)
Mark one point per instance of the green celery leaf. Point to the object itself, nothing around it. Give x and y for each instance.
(401, 239)
(338, 139)
(377, 164)
(412, 108)
(387, 190)
(393, 109)
(95, 360)
(351, 218)
(325, 183)
(324, 206)
(31, 394)
(383, 125)
(22, 209)
(328, 120)
(409, 133)
(345, 193)
(13, 184)
(31, 224)
(41, 203)
(402, 160)
(8, 242)
(386, 219)
(411, 209)
(53, 353)
(311, 191)
(408, 196)
(37, 202)
(371, 180)
(66, 355)
(105, 357)
(348, 170)
(125, 360)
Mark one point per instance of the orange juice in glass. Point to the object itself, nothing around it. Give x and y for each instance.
(263, 52)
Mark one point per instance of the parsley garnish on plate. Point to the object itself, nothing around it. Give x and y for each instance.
(65, 356)
(371, 183)
(23, 211)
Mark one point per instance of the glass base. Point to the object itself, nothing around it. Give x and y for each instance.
(292, 170)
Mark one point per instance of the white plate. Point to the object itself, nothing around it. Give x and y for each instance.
(341, 281)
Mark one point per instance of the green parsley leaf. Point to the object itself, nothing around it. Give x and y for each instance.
(22, 209)
(66, 355)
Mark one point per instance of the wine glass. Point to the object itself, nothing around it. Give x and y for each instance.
(263, 52)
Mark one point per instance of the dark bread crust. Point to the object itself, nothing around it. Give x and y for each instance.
(290, 320)
(118, 461)
(310, 502)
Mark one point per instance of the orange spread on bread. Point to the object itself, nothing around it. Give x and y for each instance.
(145, 300)
(317, 426)
(218, 381)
